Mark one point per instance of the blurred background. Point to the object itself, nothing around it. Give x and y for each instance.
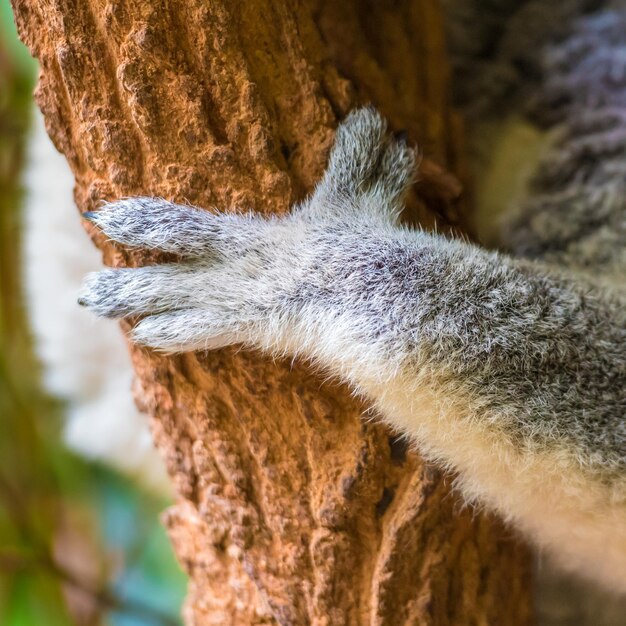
(80, 542)
(81, 488)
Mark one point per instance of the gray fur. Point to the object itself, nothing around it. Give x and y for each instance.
(497, 46)
(575, 215)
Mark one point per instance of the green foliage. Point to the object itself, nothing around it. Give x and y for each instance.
(20, 56)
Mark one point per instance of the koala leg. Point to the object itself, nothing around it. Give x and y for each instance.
(504, 370)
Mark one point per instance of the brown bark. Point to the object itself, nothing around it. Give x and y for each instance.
(291, 508)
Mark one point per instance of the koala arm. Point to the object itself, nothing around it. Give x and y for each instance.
(498, 368)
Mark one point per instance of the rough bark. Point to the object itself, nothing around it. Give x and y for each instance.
(291, 509)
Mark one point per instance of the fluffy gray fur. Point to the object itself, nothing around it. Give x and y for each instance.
(516, 334)
(576, 213)
(497, 46)
(525, 355)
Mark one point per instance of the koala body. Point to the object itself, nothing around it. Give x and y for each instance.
(507, 368)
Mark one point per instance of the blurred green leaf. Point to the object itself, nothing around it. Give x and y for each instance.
(26, 65)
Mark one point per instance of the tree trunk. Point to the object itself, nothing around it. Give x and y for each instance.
(291, 509)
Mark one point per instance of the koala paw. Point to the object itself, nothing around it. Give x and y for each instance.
(240, 271)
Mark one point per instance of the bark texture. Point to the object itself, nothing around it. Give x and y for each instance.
(291, 509)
